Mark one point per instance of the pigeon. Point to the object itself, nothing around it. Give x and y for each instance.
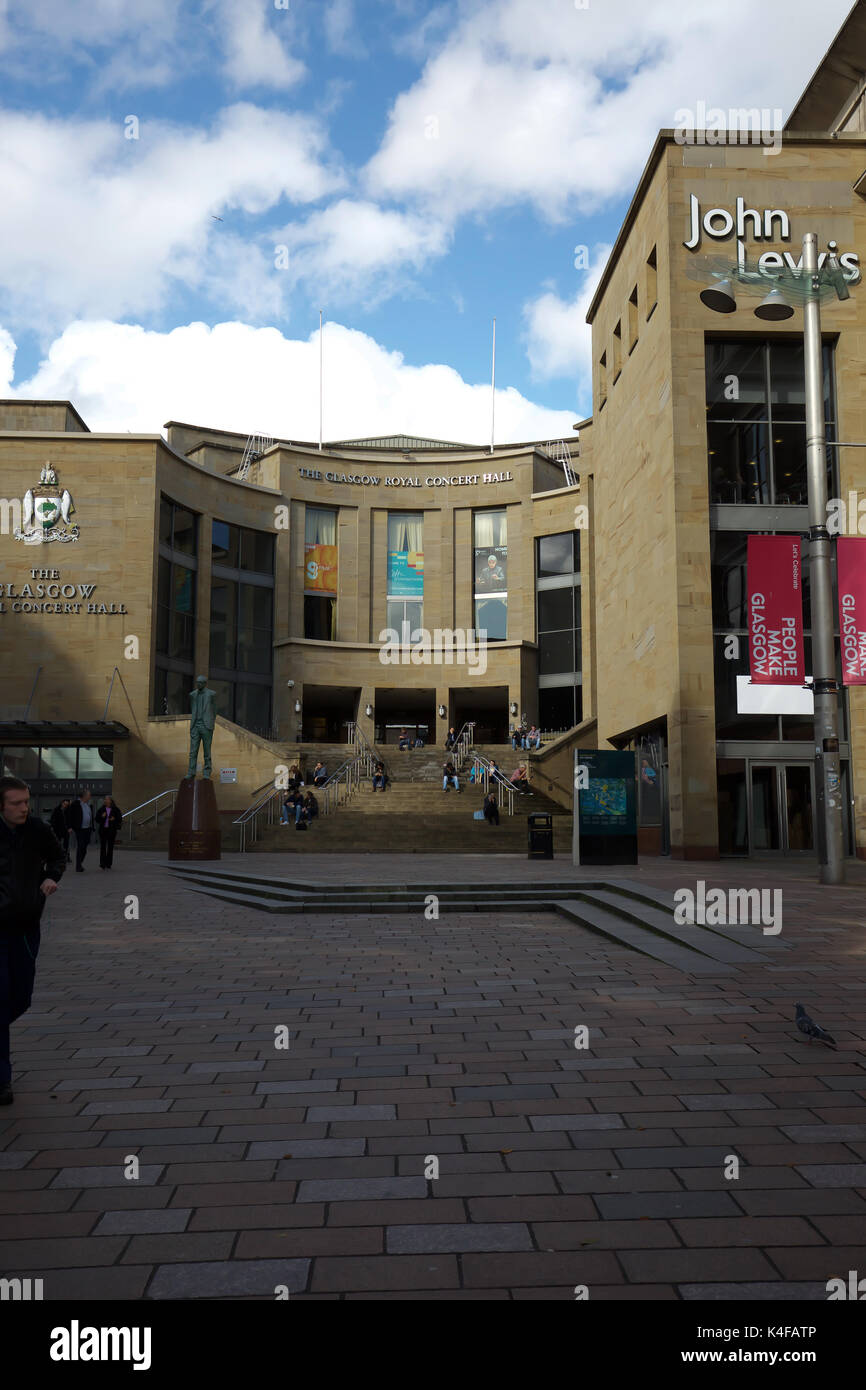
(812, 1029)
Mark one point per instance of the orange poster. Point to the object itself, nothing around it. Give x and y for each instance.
(320, 569)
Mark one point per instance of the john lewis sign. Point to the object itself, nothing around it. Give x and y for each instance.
(768, 224)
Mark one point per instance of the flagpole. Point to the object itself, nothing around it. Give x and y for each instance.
(321, 379)
(493, 390)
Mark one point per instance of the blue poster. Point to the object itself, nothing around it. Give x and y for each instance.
(405, 574)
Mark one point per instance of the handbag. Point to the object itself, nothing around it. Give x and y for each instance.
(478, 815)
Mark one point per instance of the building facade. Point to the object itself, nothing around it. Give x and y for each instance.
(322, 588)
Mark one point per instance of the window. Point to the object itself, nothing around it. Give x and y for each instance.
(617, 351)
(602, 380)
(490, 574)
(242, 624)
(632, 320)
(176, 599)
(652, 283)
(406, 573)
(320, 574)
(756, 422)
(558, 613)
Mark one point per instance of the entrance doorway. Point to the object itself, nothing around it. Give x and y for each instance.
(781, 807)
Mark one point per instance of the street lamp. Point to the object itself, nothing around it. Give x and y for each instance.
(809, 285)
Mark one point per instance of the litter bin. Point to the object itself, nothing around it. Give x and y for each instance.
(540, 835)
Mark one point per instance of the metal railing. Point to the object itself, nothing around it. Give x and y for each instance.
(365, 749)
(464, 742)
(336, 791)
(486, 776)
(155, 802)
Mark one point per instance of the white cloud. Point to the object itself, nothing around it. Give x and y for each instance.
(558, 106)
(356, 248)
(558, 338)
(97, 225)
(254, 380)
(255, 55)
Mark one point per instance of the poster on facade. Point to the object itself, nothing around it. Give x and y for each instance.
(776, 648)
(320, 569)
(851, 573)
(491, 569)
(406, 573)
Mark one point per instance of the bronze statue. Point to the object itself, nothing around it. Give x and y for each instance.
(203, 717)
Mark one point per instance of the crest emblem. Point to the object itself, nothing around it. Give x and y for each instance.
(46, 512)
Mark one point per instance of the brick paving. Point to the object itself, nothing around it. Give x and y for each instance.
(419, 1044)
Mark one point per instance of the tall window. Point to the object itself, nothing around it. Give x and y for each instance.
(756, 422)
(490, 562)
(177, 568)
(320, 574)
(406, 573)
(560, 689)
(242, 624)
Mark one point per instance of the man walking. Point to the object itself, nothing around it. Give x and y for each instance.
(60, 826)
(80, 819)
(31, 864)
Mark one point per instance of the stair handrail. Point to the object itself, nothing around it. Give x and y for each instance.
(152, 801)
(364, 748)
(463, 742)
(504, 787)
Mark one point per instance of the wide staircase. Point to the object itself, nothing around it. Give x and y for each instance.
(414, 814)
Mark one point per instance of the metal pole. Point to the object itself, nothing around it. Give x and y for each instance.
(321, 379)
(575, 828)
(827, 771)
(493, 390)
(32, 693)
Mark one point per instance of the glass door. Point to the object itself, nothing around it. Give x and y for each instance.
(781, 805)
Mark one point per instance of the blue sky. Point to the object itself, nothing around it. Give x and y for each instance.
(412, 169)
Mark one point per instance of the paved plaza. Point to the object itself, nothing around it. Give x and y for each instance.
(419, 1046)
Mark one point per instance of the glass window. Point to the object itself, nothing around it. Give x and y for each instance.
(320, 552)
(490, 568)
(556, 653)
(21, 762)
(556, 554)
(91, 763)
(319, 618)
(223, 622)
(555, 609)
(560, 707)
(257, 552)
(225, 544)
(164, 521)
(184, 531)
(57, 763)
(756, 438)
(253, 707)
(225, 698)
(491, 616)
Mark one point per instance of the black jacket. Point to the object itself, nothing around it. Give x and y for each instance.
(108, 818)
(29, 854)
(58, 821)
(74, 816)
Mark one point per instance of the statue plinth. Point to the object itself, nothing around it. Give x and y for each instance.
(195, 826)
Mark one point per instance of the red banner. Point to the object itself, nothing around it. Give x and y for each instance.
(851, 572)
(776, 650)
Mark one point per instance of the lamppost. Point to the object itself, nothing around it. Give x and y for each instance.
(809, 285)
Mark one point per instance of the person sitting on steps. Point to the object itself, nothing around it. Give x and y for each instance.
(491, 810)
(449, 772)
(380, 777)
(519, 779)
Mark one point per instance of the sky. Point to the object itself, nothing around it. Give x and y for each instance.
(187, 183)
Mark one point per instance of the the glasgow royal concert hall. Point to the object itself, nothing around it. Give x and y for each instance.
(608, 572)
